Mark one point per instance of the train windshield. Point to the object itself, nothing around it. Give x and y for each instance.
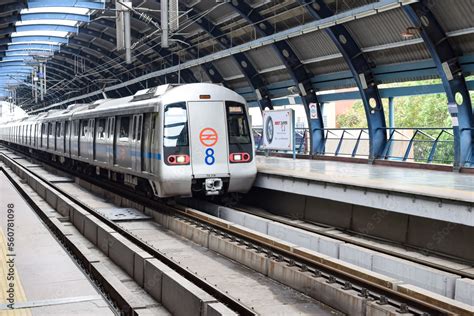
(175, 131)
(237, 123)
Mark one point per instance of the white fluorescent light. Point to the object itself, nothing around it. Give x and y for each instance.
(47, 22)
(65, 10)
(35, 43)
(40, 33)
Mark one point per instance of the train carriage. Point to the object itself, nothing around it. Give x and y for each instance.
(171, 140)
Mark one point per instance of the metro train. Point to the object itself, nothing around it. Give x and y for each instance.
(167, 141)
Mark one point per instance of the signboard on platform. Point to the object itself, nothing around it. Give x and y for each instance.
(278, 129)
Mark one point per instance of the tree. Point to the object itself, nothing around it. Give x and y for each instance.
(423, 111)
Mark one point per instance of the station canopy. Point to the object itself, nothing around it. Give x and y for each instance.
(33, 31)
(260, 48)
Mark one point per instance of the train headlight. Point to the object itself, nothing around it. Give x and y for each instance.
(178, 159)
(239, 157)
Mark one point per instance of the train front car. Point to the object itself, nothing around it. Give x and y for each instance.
(207, 142)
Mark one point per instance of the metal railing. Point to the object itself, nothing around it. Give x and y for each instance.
(301, 142)
(422, 145)
(426, 145)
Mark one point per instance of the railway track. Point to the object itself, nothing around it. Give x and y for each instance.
(346, 237)
(370, 287)
(221, 296)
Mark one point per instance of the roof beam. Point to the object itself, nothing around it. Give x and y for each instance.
(363, 11)
(188, 76)
(450, 71)
(362, 73)
(257, 82)
(166, 54)
(13, 7)
(297, 71)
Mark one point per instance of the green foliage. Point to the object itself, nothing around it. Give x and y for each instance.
(413, 112)
(422, 111)
(355, 117)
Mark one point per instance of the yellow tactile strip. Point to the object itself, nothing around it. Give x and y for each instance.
(19, 293)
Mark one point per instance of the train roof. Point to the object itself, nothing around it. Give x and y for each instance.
(147, 100)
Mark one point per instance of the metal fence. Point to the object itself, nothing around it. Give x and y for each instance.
(301, 140)
(422, 145)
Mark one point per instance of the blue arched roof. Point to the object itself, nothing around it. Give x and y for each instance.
(39, 28)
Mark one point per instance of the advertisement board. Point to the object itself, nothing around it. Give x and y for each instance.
(278, 129)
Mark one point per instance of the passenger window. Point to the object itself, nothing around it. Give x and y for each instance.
(124, 130)
(175, 130)
(134, 134)
(100, 128)
(58, 129)
(50, 129)
(237, 123)
(139, 130)
(111, 128)
(75, 128)
(84, 127)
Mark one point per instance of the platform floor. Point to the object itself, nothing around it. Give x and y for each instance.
(46, 280)
(430, 183)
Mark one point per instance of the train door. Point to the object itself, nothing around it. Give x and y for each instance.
(74, 138)
(208, 135)
(136, 152)
(81, 138)
(111, 140)
(50, 136)
(123, 141)
(35, 135)
(91, 139)
(66, 137)
(57, 138)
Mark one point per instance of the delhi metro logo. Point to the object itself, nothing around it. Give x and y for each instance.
(208, 137)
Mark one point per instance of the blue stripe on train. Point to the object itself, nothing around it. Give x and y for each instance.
(148, 155)
(135, 153)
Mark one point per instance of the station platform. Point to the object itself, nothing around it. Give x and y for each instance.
(438, 195)
(36, 273)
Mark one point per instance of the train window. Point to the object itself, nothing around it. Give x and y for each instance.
(134, 134)
(50, 129)
(43, 133)
(84, 127)
(75, 128)
(111, 127)
(100, 128)
(175, 131)
(124, 130)
(66, 128)
(139, 130)
(237, 123)
(58, 129)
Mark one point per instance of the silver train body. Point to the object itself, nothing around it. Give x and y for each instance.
(171, 140)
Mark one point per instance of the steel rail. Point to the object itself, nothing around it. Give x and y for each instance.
(369, 246)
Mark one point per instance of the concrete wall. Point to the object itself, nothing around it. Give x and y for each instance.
(420, 232)
(433, 280)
